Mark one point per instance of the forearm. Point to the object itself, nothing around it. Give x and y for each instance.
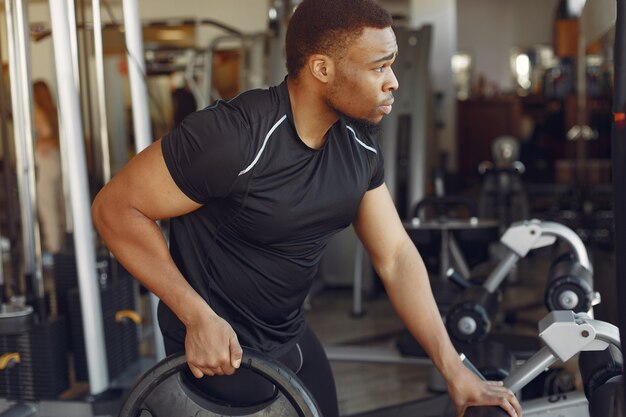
(138, 243)
(407, 284)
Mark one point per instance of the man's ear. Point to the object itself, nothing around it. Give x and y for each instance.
(321, 67)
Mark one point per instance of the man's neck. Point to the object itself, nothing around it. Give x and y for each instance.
(312, 116)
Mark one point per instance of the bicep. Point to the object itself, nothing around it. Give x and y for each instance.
(379, 227)
(145, 184)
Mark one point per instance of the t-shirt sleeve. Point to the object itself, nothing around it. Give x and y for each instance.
(378, 168)
(206, 152)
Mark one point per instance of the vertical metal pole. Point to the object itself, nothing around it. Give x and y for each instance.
(277, 68)
(102, 114)
(86, 100)
(69, 225)
(141, 115)
(137, 75)
(207, 84)
(7, 173)
(17, 26)
(71, 17)
(581, 108)
(24, 202)
(618, 148)
(69, 109)
(389, 145)
(420, 116)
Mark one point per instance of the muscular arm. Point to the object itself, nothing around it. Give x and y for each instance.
(125, 212)
(405, 278)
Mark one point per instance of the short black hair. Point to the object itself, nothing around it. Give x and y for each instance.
(326, 26)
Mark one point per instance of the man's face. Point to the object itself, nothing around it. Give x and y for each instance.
(364, 82)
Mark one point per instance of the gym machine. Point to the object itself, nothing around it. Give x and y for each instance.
(569, 286)
(502, 194)
(461, 236)
(469, 317)
(566, 334)
(33, 363)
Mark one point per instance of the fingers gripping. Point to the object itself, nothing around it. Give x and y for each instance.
(505, 399)
(225, 364)
(235, 352)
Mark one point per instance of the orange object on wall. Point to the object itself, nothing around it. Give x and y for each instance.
(566, 37)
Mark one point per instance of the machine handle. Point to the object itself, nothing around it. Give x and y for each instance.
(128, 315)
(8, 359)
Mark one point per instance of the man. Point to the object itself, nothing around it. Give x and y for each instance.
(255, 188)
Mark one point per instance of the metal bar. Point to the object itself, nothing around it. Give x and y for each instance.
(420, 115)
(73, 27)
(444, 254)
(371, 354)
(207, 83)
(567, 234)
(500, 272)
(190, 79)
(618, 155)
(24, 201)
(102, 114)
(69, 109)
(277, 44)
(389, 144)
(533, 366)
(457, 257)
(137, 75)
(141, 115)
(30, 224)
(581, 107)
(7, 174)
(86, 98)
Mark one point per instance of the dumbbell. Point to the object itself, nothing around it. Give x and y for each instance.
(570, 285)
(469, 319)
(599, 367)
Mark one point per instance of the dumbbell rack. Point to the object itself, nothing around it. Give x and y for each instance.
(469, 318)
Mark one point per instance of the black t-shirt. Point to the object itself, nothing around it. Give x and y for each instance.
(270, 205)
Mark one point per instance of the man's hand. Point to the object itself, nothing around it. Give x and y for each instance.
(466, 390)
(211, 347)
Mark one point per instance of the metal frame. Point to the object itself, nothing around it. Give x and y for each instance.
(69, 110)
(101, 91)
(412, 69)
(522, 237)
(141, 117)
(21, 100)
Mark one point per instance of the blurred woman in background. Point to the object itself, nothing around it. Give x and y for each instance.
(48, 170)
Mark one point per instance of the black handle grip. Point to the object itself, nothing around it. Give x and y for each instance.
(490, 411)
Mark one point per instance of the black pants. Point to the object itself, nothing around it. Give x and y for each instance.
(307, 359)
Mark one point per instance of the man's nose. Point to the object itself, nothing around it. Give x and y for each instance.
(392, 82)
